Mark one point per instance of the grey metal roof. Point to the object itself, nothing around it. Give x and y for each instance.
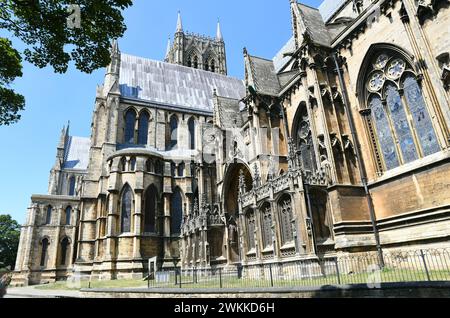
(174, 85)
(264, 77)
(314, 24)
(329, 7)
(279, 60)
(76, 153)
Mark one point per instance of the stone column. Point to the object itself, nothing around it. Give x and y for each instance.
(166, 232)
(111, 226)
(76, 213)
(97, 227)
(137, 225)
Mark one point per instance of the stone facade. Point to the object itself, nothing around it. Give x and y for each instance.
(340, 144)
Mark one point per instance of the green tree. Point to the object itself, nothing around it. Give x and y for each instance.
(55, 32)
(9, 240)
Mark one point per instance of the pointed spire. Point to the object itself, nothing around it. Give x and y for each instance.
(114, 46)
(68, 128)
(179, 23)
(168, 49)
(64, 136)
(219, 36)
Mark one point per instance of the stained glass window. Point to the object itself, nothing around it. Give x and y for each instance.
(384, 133)
(421, 118)
(173, 134)
(48, 218)
(130, 119)
(127, 199)
(68, 215)
(400, 122)
(191, 126)
(44, 252)
(64, 245)
(143, 128)
(176, 212)
(72, 186)
(403, 125)
(150, 210)
(133, 164)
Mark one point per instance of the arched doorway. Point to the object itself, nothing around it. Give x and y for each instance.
(231, 187)
(235, 172)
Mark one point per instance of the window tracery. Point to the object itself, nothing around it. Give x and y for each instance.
(397, 107)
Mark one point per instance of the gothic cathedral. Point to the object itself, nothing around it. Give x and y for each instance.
(338, 145)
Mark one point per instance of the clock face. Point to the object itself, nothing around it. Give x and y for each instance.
(396, 69)
(381, 61)
(376, 82)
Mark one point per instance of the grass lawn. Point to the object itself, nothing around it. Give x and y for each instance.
(387, 275)
(124, 283)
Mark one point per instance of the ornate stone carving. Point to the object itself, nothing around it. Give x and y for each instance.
(444, 63)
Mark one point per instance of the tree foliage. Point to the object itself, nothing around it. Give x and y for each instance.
(9, 241)
(52, 41)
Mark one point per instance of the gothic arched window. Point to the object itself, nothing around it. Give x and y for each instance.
(44, 251)
(123, 164)
(48, 217)
(401, 125)
(133, 164)
(126, 206)
(181, 168)
(143, 128)
(172, 133)
(150, 166)
(195, 64)
(189, 61)
(68, 215)
(130, 121)
(266, 224)
(285, 210)
(191, 126)
(251, 226)
(71, 191)
(64, 248)
(213, 66)
(176, 212)
(150, 209)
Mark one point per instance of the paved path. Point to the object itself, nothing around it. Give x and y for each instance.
(32, 292)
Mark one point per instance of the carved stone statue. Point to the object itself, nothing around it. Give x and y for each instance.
(232, 230)
(326, 168)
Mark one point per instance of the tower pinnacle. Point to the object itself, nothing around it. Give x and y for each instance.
(179, 23)
(219, 36)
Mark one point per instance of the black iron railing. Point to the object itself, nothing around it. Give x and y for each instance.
(401, 266)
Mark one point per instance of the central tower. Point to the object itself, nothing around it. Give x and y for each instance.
(197, 51)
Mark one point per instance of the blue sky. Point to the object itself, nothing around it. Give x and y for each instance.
(28, 148)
